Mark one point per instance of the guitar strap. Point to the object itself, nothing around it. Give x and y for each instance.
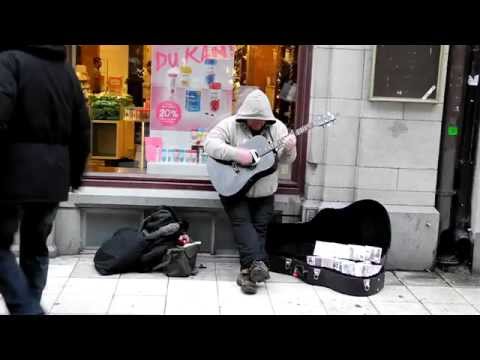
(271, 138)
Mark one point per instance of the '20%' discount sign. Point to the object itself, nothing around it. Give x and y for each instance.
(168, 113)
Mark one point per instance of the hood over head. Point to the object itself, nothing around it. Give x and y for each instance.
(256, 107)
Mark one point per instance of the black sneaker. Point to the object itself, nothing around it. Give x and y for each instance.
(259, 271)
(246, 284)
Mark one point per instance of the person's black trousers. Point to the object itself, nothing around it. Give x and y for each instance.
(22, 286)
(249, 218)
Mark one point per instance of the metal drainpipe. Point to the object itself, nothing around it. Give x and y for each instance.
(459, 57)
(466, 162)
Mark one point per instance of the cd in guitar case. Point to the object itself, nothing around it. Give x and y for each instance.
(364, 223)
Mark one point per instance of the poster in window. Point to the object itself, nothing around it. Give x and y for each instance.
(191, 86)
(191, 92)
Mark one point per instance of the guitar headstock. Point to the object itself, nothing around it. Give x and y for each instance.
(323, 120)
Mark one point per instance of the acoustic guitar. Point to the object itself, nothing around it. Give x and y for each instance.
(231, 179)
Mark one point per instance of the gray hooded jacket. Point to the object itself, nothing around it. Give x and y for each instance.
(233, 131)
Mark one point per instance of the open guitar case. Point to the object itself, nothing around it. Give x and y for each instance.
(364, 222)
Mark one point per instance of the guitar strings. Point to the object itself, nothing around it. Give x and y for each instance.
(297, 132)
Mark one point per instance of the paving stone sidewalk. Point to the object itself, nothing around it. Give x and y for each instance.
(74, 287)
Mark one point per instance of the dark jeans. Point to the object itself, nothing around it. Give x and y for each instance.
(249, 218)
(22, 287)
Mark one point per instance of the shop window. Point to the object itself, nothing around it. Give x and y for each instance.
(137, 129)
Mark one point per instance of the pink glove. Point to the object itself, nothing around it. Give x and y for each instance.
(290, 142)
(243, 156)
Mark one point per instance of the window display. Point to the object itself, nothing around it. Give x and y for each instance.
(191, 93)
(152, 105)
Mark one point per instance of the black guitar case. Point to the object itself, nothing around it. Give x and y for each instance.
(365, 222)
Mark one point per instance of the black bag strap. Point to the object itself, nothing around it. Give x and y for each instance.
(166, 262)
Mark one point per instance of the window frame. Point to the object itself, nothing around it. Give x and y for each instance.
(295, 186)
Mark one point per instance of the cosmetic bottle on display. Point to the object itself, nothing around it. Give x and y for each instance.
(210, 71)
(214, 93)
(185, 75)
(193, 97)
(172, 75)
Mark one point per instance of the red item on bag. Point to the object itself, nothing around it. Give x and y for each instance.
(183, 240)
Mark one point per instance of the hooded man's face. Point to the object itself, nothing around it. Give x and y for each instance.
(256, 124)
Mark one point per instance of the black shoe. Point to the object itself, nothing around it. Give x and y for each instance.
(448, 260)
(259, 271)
(246, 284)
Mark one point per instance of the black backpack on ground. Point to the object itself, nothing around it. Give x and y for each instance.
(364, 222)
(142, 249)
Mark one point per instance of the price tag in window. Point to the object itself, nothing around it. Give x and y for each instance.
(168, 113)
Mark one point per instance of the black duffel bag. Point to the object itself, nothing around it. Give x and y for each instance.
(121, 252)
(140, 250)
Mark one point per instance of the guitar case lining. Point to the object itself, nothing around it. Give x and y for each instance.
(365, 222)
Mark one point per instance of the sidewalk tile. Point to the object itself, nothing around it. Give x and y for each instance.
(86, 258)
(87, 270)
(420, 278)
(75, 287)
(282, 278)
(207, 274)
(226, 266)
(326, 293)
(137, 305)
(90, 287)
(437, 295)
(154, 275)
(55, 283)
(340, 304)
(192, 297)
(472, 295)
(233, 302)
(347, 307)
(451, 309)
(391, 279)
(227, 271)
(461, 279)
(59, 271)
(69, 303)
(389, 308)
(393, 293)
(64, 260)
(49, 299)
(295, 299)
(226, 275)
(142, 287)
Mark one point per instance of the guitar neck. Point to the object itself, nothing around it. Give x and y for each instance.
(281, 142)
(303, 129)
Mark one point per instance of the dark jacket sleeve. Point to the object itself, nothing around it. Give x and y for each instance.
(8, 91)
(80, 141)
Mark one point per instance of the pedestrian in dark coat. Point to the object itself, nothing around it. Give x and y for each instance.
(44, 145)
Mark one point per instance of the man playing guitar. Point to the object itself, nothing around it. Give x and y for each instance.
(251, 212)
